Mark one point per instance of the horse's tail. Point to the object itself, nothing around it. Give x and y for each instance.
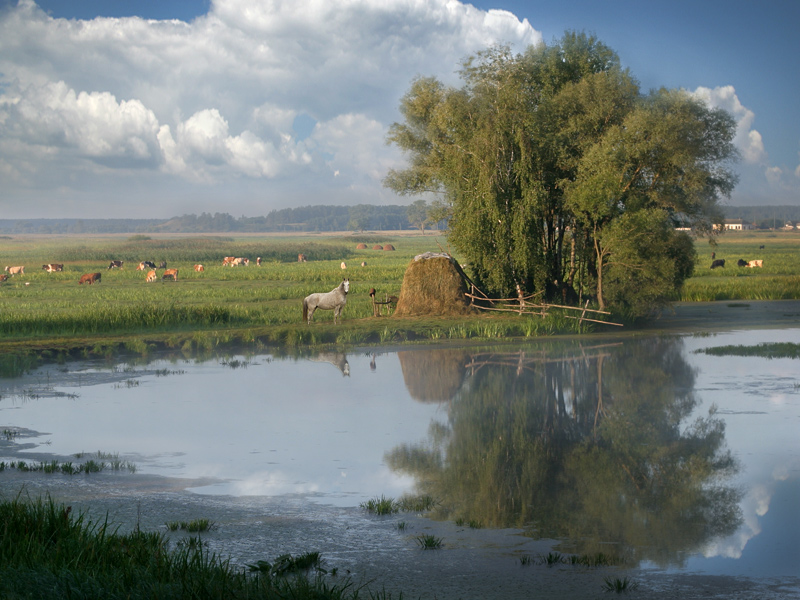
(305, 309)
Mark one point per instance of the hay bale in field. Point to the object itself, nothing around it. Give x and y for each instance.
(433, 284)
(388, 247)
(377, 247)
(361, 246)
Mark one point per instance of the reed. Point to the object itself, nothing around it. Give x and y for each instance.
(48, 551)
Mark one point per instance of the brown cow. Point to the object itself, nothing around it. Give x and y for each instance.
(170, 273)
(151, 276)
(15, 270)
(258, 261)
(239, 262)
(90, 278)
(53, 267)
(301, 258)
(3, 277)
(199, 268)
(228, 260)
(755, 263)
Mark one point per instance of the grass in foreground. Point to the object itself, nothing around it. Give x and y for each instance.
(46, 551)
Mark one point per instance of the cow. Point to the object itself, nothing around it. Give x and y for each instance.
(239, 262)
(720, 262)
(199, 268)
(3, 277)
(755, 263)
(146, 264)
(53, 267)
(343, 265)
(90, 278)
(115, 264)
(162, 264)
(170, 274)
(741, 263)
(301, 258)
(363, 263)
(15, 270)
(228, 260)
(151, 276)
(258, 261)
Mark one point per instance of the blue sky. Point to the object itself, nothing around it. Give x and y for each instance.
(159, 108)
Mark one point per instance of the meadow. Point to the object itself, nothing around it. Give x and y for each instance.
(262, 305)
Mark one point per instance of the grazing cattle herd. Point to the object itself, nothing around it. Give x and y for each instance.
(720, 262)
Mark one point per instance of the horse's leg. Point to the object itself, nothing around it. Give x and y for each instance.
(311, 310)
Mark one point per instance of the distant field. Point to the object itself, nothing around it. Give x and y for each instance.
(265, 302)
(778, 279)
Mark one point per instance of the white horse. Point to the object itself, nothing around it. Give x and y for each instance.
(335, 299)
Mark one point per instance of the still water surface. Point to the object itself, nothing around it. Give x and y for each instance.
(638, 447)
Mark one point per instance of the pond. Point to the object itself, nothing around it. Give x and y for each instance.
(678, 466)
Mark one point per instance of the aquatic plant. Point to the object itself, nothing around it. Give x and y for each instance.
(381, 506)
(429, 542)
(615, 584)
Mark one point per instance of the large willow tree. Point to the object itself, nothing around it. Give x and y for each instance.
(546, 157)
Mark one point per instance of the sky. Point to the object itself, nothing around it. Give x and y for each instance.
(160, 108)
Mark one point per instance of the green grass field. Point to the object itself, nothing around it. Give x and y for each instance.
(778, 279)
(263, 304)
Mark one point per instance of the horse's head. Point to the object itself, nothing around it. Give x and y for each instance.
(346, 285)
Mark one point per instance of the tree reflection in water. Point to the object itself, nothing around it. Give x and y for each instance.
(591, 445)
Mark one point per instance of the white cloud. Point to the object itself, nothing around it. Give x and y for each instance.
(214, 100)
(747, 139)
(761, 182)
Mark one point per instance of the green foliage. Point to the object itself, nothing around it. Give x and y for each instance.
(540, 155)
(765, 350)
(47, 551)
(429, 542)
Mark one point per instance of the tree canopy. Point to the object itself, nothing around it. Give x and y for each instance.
(545, 157)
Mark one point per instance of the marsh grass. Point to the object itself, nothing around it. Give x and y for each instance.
(429, 542)
(551, 559)
(262, 305)
(615, 584)
(764, 350)
(47, 551)
(193, 526)
(381, 506)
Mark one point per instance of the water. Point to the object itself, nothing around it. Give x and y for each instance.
(637, 447)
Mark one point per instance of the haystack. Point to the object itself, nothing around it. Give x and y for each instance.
(433, 285)
(361, 246)
(377, 247)
(388, 247)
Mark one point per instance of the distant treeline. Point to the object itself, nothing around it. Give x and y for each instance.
(362, 217)
(764, 217)
(307, 218)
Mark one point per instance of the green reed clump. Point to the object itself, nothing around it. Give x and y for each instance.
(47, 551)
(429, 542)
(764, 350)
(619, 585)
(381, 506)
(193, 526)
